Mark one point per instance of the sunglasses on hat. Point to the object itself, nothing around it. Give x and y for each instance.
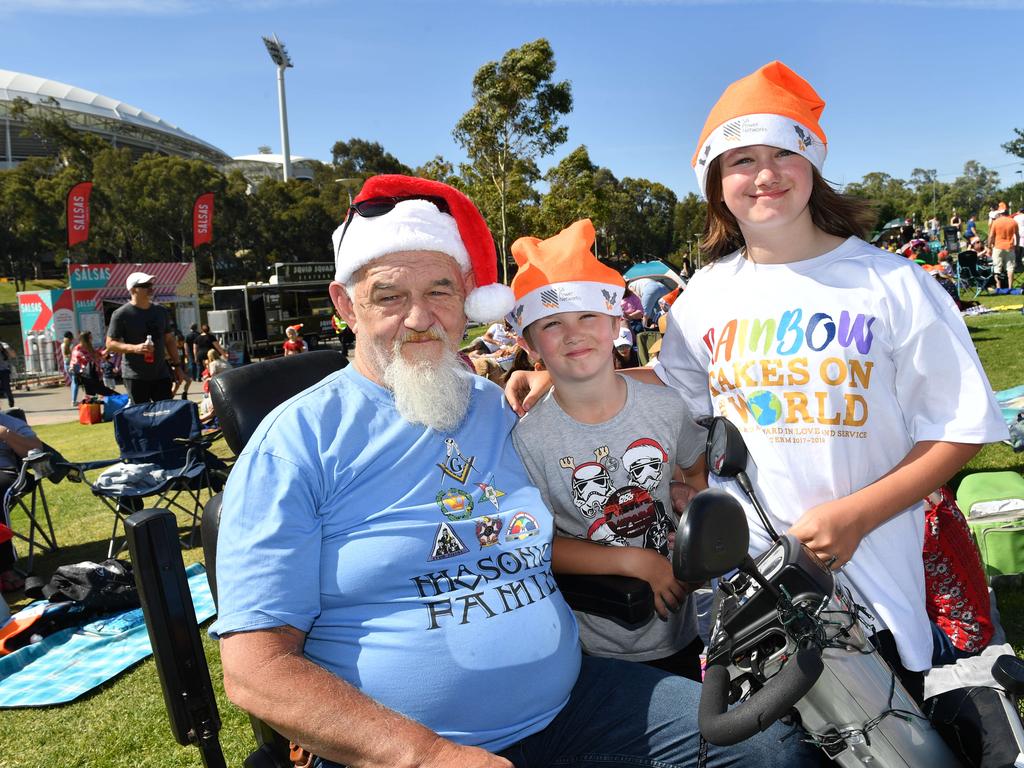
(373, 207)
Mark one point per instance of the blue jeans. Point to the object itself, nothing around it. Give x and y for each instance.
(621, 713)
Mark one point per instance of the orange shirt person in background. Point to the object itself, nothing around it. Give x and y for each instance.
(1002, 239)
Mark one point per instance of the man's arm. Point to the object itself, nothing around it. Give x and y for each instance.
(116, 345)
(20, 444)
(266, 674)
(171, 345)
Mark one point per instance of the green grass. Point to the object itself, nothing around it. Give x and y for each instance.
(124, 723)
(8, 292)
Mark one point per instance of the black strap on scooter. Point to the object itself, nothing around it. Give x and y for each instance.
(724, 727)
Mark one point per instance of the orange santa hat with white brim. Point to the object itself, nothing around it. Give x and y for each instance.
(561, 274)
(772, 106)
(419, 225)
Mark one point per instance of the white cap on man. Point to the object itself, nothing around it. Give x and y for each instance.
(138, 278)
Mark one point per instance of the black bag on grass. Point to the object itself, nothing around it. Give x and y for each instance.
(105, 587)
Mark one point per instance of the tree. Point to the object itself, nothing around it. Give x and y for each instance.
(359, 157)
(1015, 146)
(513, 122)
(438, 169)
(650, 208)
(688, 225)
(890, 195)
(977, 186)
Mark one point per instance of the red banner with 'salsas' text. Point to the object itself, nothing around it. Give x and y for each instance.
(78, 213)
(202, 220)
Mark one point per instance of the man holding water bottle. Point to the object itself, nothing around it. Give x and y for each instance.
(141, 331)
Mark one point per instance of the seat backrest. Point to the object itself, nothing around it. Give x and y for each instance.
(243, 396)
(147, 432)
(967, 261)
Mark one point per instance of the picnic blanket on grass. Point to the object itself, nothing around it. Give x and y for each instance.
(1011, 402)
(73, 661)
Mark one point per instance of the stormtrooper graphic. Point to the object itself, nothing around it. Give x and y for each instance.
(623, 509)
(591, 488)
(644, 461)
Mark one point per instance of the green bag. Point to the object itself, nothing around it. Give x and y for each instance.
(1001, 544)
(993, 503)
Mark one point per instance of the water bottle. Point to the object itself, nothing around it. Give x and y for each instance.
(148, 355)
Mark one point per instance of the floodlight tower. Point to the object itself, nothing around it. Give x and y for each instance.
(280, 56)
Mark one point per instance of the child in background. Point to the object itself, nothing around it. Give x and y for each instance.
(294, 344)
(602, 448)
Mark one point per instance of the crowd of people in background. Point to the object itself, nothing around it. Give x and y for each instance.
(999, 246)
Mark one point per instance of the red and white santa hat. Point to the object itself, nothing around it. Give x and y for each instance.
(773, 106)
(416, 224)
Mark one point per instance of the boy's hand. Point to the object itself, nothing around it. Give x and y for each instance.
(525, 388)
(831, 530)
(656, 570)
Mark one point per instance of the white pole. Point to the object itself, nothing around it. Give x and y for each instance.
(287, 167)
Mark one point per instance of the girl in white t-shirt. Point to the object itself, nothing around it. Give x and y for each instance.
(848, 370)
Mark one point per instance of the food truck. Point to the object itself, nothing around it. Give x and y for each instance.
(255, 315)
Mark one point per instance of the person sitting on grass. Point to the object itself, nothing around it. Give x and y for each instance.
(602, 448)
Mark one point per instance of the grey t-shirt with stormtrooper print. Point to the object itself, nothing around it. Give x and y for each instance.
(609, 483)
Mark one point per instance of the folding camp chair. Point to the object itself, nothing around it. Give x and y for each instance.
(164, 455)
(26, 498)
(971, 275)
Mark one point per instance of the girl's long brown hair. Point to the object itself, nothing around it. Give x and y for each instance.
(832, 212)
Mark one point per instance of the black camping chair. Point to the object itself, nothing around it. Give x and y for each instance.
(242, 397)
(971, 275)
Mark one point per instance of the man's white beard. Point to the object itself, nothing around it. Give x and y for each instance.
(434, 393)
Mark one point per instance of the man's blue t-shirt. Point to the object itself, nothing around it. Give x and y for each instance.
(417, 562)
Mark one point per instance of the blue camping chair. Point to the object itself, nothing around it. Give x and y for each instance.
(164, 456)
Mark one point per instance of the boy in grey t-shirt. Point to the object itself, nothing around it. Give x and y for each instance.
(603, 448)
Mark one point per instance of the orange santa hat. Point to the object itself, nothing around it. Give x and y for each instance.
(773, 106)
(561, 274)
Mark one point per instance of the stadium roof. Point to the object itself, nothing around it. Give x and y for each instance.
(50, 93)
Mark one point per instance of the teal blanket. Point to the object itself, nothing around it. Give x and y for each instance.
(1011, 401)
(73, 661)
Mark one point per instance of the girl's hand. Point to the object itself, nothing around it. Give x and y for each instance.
(524, 389)
(831, 530)
(656, 570)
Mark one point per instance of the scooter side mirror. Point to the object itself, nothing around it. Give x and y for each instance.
(712, 537)
(726, 452)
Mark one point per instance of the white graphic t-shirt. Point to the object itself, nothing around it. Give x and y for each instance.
(833, 368)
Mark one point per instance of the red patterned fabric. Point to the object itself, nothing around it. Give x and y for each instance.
(956, 591)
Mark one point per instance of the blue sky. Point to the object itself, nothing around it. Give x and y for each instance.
(907, 84)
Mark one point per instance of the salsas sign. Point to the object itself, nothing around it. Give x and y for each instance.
(78, 213)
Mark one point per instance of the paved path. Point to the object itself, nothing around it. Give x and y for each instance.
(53, 405)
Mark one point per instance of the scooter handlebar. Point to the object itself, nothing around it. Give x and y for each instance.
(724, 727)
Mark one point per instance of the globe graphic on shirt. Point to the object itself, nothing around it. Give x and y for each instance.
(765, 406)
